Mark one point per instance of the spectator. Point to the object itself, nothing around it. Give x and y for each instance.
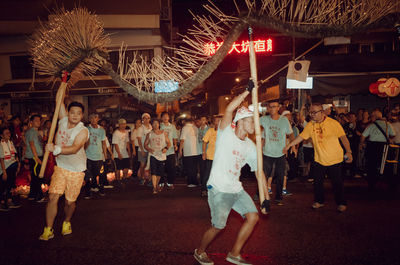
(202, 129)
(170, 163)
(350, 128)
(135, 146)
(157, 143)
(122, 151)
(142, 154)
(209, 141)
(378, 133)
(9, 166)
(34, 153)
(276, 129)
(96, 150)
(325, 134)
(188, 150)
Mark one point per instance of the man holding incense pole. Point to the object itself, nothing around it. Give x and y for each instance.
(71, 163)
(225, 192)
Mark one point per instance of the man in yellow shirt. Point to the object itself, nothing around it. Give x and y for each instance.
(328, 154)
(209, 140)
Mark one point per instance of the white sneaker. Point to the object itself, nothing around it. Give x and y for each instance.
(108, 186)
(237, 260)
(202, 258)
(191, 186)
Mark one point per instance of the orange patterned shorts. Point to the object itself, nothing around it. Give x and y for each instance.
(68, 182)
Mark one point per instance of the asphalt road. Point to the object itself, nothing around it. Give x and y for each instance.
(132, 226)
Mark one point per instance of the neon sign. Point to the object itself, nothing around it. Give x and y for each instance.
(243, 47)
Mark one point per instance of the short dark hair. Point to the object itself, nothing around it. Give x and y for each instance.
(273, 101)
(35, 116)
(157, 120)
(163, 113)
(2, 129)
(76, 104)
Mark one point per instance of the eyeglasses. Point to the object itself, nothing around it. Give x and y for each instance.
(315, 112)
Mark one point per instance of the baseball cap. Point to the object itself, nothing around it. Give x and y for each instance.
(121, 121)
(242, 113)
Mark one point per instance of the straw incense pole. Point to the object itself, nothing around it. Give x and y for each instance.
(254, 95)
(59, 101)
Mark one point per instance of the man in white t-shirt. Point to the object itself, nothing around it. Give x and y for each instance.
(189, 149)
(71, 163)
(142, 153)
(121, 150)
(135, 146)
(225, 192)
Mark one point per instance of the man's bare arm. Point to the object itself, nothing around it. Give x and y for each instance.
(227, 119)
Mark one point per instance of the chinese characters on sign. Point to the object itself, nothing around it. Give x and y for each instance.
(243, 47)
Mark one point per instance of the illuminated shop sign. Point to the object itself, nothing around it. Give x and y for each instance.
(241, 47)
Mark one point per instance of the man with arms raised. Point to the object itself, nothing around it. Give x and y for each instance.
(71, 163)
(225, 191)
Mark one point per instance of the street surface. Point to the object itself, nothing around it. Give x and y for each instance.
(132, 226)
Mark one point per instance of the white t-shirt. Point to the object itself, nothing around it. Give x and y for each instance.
(142, 132)
(134, 136)
(231, 154)
(189, 135)
(7, 152)
(122, 140)
(66, 137)
(157, 143)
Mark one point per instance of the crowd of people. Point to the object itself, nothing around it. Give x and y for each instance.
(212, 152)
(157, 150)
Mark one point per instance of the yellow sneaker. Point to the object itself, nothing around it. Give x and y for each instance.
(48, 233)
(66, 228)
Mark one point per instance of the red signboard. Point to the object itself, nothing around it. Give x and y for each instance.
(243, 47)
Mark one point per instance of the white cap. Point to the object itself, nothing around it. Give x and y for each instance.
(285, 112)
(146, 114)
(242, 113)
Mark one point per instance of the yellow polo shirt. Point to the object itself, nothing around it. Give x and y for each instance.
(325, 137)
(210, 138)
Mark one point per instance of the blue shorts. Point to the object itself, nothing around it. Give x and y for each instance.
(221, 204)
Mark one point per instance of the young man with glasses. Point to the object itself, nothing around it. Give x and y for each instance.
(328, 154)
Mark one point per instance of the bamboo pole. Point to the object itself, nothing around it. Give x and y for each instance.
(254, 96)
(59, 101)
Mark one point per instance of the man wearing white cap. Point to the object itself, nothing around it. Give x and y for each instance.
(225, 192)
(276, 129)
(122, 150)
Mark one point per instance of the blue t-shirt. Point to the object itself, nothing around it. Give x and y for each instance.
(32, 135)
(375, 135)
(172, 134)
(275, 132)
(201, 133)
(94, 151)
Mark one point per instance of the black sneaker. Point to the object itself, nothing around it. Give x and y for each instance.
(14, 205)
